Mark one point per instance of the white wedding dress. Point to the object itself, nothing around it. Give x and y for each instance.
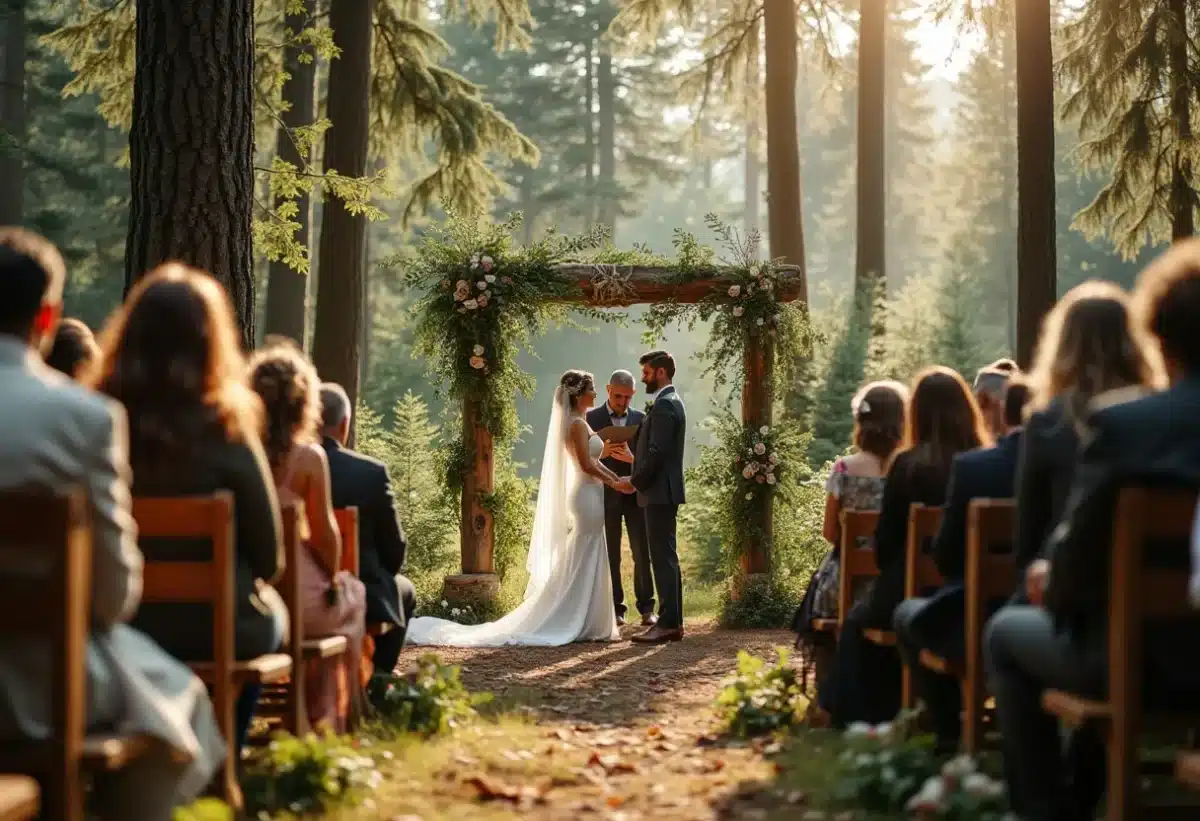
(569, 596)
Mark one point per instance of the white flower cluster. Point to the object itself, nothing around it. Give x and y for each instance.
(455, 612)
(959, 774)
(762, 276)
(761, 462)
(468, 297)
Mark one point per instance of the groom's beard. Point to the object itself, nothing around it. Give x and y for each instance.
(651, 385)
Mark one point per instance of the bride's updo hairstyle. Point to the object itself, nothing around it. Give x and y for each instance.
(575, 384)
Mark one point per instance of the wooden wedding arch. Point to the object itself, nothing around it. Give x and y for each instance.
(645, 285)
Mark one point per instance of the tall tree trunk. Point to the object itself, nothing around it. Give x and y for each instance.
(12, 110)
(753, 179)
(1183, 197)
(191, 145)
(783, 138)
(287, 290)
(525, 200)
(871, 232)
(606, 99)
(337, 335)
(1036, 255)
(1007, 234)
(589, 125)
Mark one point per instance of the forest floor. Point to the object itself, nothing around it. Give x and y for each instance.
(607, 731)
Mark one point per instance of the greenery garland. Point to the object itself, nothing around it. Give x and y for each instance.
(484, 298)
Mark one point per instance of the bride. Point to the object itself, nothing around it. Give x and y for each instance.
(569, 596)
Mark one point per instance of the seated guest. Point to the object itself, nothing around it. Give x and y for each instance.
(937, 623)
(74, 348)
(171, 356)
(855, 483)
(364, 483)
(1061, 641)
(332, 600)
(1086, 348)
(56, 435)
(989, 387)
(943, 421)
(1006, 365)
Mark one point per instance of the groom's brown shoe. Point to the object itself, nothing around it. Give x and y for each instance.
(659, 635)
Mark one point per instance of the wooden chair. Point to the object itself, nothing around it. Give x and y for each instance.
(208, 518)
(290, 696)
(52, 600)
(1141, 595)
(856, 562)
(990, 575)
(920, 574)
(347, 522)
(20, 798)
(1187, 770)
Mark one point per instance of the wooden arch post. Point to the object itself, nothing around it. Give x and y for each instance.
(644, 285)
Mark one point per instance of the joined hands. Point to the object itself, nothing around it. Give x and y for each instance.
(624, 486)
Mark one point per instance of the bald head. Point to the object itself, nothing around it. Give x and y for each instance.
(621, 388)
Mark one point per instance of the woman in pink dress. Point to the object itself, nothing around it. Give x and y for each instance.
(333, 601)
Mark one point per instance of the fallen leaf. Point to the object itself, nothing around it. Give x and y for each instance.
(492, 788)
(654, 731)
(614, 801)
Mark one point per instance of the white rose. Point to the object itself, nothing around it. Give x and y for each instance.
(455, 612)
(930, 797)
(778, 317)
(474, 257)
(755, 271)
(764, 430)
(490, 278)
(760, 448)
(749, 496)
(773, 459)
(859, 729)
(734, 290)
(758, 321)
(487, 259)
(959, 766)
(738, 310)
(770, 478)
(445, 603)
(470, 304)
(474, 265)
(477, 350)
(481, 285)
(977, 784)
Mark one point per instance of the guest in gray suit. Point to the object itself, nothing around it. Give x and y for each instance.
(55, 435)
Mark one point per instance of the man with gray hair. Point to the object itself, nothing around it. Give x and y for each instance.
(360, 482)
(620, 507)
(990, 386)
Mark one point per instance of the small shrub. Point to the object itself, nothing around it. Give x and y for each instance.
(880, 773)
(766, 601)
(308, 776)
(205, 809)
(429, 700)
(761, 698)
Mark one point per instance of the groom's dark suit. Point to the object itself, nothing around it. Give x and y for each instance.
(658, 477)
(620, 507)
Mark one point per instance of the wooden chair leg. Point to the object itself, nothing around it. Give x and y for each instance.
(907, 696)
(972, 717)
(1123, 797)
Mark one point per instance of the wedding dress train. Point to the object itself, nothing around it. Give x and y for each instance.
(570, 596)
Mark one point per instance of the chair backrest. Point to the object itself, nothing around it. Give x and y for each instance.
(202, 518)
(290, 515)
(347, 522)
(1149, 583)
(856, 562)
(920, 571)
(46, 591)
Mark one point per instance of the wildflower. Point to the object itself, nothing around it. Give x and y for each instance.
(760, 448)
(470, 304)
(477, 350)
(445, 603)
(455, 612)
(738, 310)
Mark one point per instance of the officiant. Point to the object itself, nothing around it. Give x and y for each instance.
(616, 422)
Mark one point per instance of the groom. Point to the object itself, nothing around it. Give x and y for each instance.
(658, 478)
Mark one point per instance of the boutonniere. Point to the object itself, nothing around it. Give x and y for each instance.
(649, 405)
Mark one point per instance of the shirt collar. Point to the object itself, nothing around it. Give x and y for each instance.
(15, 351)
(613, 414)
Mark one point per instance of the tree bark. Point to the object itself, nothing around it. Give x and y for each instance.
(337, 335)
(606, 98)
(1036, 255)
(589, 133)
(1183, 197)
(191, 145)
(783, 138)
(287, 290)
(12, 110)
(753, 179)
(871, 252)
